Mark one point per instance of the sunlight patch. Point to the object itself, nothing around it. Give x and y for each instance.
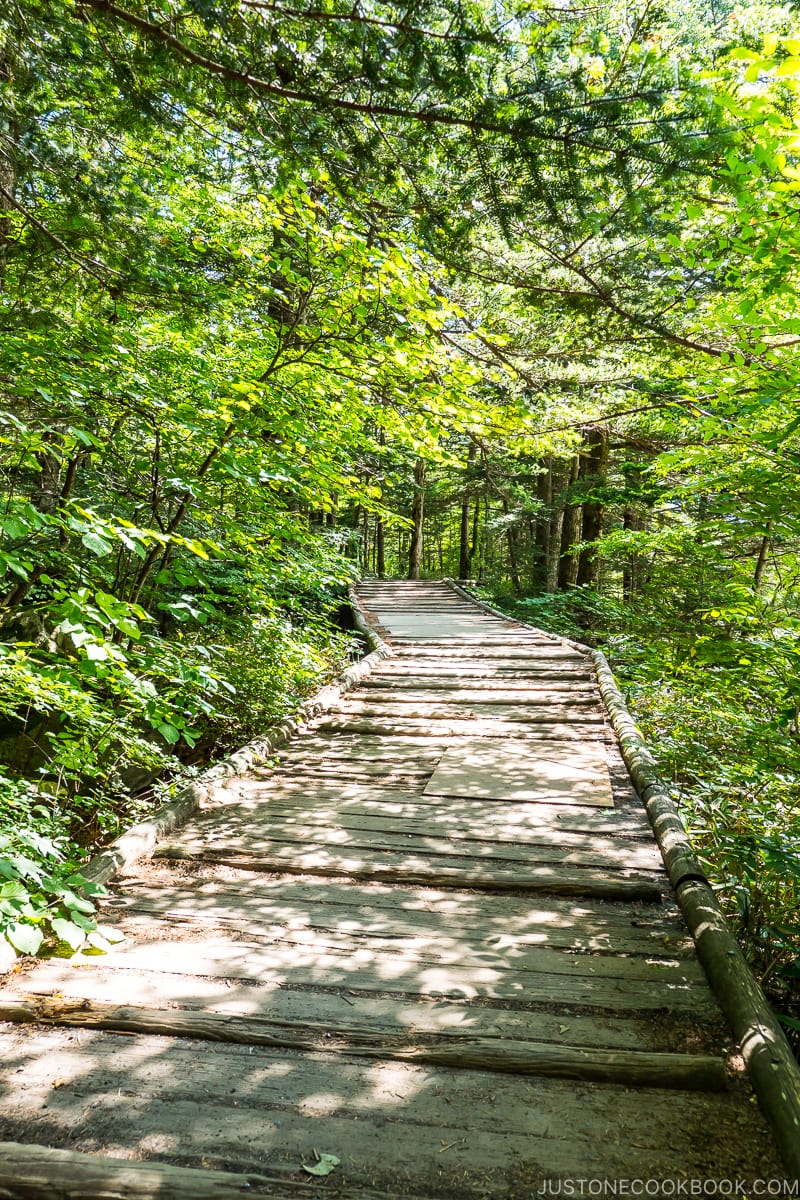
(551, 773)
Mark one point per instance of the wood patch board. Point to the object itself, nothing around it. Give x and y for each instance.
(551, 773)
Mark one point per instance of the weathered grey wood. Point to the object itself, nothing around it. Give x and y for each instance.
(580, 717)
(284, 795)
(438, 1131)
(387, 773)
(448, 911)
(229, 835)
(333, 765)
(30, 1172)
(348, 1003)
(354, 793)
(359, 745)
(692, 1072)
(422, 946)
(576, 933)
(392, 1015)
(615, 985)
(279, 806)
(561, 674)
(322, 861)
(486, 652)
(478, 727)
(536, 843)
(486, 692)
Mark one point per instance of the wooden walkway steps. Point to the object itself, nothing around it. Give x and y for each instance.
(434, 940)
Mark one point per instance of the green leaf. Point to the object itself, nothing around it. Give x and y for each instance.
(82, 436)
(68, 931)
(13, 527)
(95, 652)
(14, 890)
(17, 565)
(99, 546)
(25, 938)
(98, 942)
(77, 902)
(326, 1164)
(87, 924)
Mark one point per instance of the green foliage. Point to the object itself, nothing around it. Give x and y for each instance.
(271, 666)
(569, 614)
(732, 758)
(44, 900)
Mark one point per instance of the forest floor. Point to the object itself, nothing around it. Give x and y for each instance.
(431, 951)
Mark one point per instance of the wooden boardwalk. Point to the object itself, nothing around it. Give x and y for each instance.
(454, 993)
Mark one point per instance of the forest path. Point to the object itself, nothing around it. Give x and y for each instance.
(435, 941)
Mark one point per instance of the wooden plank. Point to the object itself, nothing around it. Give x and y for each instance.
(31, 1172)
(372, 762)
(403, 667)
(348, 769)
(511, 654)
(460, 853)
(449, 631)
(631, 1068)
(561, 773)
(580, 717)
(464, 666)
(360, 744)
(483, 727)
(398, 973)
(490, 876)
(379, 835)
(390, 1015)
(486, 692)
(388, 606)
(285, 795)
(266, 1110)
(419, 946)
(546, 926)
(343, 756)
(392, 904)
(280, 823)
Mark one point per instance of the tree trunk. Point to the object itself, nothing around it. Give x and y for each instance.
(365, 548)
(541, 547)
(764, 549)
(175, 521)
(9, 129)
(593, 475)
(633, 520)
(558, 482)
(465, 548)
(380, 549)
(513, 557)
(474, 545)
(418, 519)
(567, 574)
